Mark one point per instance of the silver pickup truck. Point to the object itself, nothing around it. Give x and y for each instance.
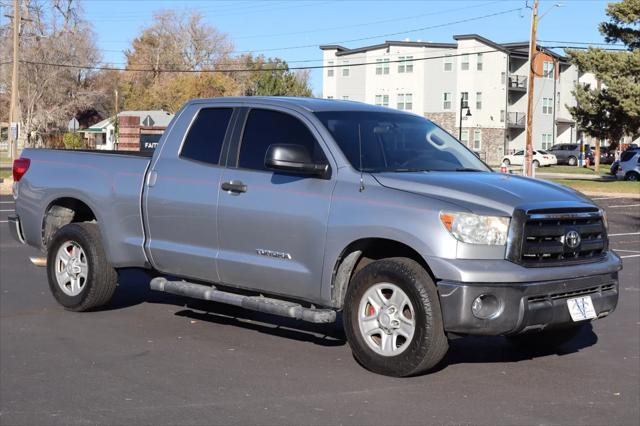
(307, 208)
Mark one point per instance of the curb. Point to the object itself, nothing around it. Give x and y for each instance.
(577, 176)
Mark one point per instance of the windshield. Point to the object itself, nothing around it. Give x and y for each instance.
(393, 142)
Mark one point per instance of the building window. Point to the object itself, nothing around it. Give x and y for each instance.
(405, 101)
(547, 106)
(345, 68)
(446, 101)
(502, 116)
(479, 63)
(382, 100)
(329, 97)
(465, 99)
(406, 64)
(464, 64)
(547, 140)
(345, 98)
(382, 66)
(503, 78)
(477, 140)
(330, 69)
(547, 69)
(478, 100)
(448, 63)
(464, 137)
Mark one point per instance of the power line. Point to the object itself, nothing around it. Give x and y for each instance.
(221, 71)
(460, 21)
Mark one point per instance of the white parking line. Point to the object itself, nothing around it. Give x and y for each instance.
(629, 255)
(626, 205)
(7, 202)
(608, 198)
(4, 221)
(626, 233)
(9, 210)
(629, 251)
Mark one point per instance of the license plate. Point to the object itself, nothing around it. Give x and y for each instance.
(581, 308)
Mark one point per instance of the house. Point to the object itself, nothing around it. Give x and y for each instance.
(137, 131)
(474, 78)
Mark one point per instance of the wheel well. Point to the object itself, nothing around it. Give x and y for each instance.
(362, 252)
(63, 211)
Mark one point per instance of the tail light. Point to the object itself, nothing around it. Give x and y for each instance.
(20, 167)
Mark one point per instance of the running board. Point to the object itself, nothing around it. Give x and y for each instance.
(254, 303)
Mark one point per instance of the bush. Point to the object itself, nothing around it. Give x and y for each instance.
(73, 141)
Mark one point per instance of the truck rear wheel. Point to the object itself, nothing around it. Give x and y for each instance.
(80, 278)
(392, 318)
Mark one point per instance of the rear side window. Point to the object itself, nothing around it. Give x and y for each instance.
(626, 156)
(206, 135)
(265, 128)
(571, 147)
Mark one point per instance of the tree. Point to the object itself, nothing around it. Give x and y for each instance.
(175, 41)
(278, 81)
(611, 110)
(50, 95)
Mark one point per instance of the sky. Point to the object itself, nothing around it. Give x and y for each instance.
(280, 27)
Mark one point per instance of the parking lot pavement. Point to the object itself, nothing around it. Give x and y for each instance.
(151, 358)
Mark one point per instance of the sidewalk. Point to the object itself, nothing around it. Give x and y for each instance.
(575, 176)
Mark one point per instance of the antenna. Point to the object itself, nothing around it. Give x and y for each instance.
(360, 155)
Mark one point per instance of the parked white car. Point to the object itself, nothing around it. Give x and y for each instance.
(629, 168)
(517, 159)
(553, 160)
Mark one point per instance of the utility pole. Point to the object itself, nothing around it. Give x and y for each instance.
(13, 107)
(532, 56)
(117, 128)
(596, 159)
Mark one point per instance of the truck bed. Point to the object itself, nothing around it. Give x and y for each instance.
(110, 183)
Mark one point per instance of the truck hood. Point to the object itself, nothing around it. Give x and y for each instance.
(483, 192)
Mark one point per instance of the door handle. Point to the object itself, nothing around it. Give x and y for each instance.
(234, 186)
(151, 179)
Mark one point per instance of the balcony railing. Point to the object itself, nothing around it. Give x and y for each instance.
(518, 82)
(516, 119)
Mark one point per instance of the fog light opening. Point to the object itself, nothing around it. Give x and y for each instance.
(486, 306)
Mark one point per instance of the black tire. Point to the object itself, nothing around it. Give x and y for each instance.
(535, 163)
(506, 162)
(101, 278)
(429, 343)
(549, 339)
(632, 176)
(572, 161)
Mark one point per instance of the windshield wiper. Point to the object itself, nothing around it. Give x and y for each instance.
(468, 169)
(409, 170)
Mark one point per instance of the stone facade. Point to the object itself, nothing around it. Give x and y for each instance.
(129, 133)
(446, 120)
(492, 149)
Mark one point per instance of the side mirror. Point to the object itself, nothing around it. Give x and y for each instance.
(293, 159)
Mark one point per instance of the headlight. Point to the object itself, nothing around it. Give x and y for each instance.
(475, 229)
(605, 220)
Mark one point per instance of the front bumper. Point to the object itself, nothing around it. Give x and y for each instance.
(524, 306)
(15, 229)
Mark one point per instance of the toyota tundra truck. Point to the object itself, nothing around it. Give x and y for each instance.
(312, 208)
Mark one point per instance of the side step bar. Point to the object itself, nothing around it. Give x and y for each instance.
(254, 303)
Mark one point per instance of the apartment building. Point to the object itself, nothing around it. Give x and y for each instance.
(483, 81)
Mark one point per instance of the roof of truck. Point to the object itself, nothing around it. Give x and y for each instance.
(310, 104)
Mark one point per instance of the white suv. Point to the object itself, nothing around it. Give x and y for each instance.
(629, 168)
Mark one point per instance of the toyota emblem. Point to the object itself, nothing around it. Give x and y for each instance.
(572, 239)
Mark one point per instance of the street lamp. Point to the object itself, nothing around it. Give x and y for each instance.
(468, 114)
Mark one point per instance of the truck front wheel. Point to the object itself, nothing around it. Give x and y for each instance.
(80, 278)
(392, 318)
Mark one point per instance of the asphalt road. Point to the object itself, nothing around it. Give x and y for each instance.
(151, 358)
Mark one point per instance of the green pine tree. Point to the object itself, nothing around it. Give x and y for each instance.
(611, 110)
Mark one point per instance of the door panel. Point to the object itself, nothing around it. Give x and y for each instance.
(273, 225)
(182, 203)
(272, 236)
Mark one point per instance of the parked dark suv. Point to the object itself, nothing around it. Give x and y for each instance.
(569, 153)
